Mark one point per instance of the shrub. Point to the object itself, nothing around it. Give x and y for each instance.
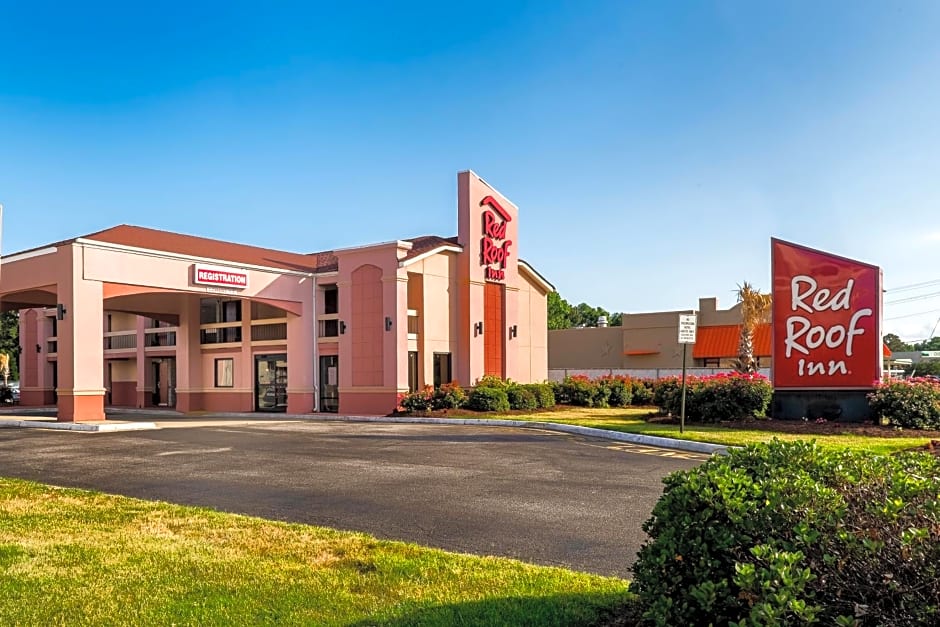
(418, 401)
(642, 392)
(544, 394)
(620, 390)
(787, 533)
(449, 396)
(492, 381)
(913, 403)
(725, 396)
(521, 398)
(578, 390)
(488, 399)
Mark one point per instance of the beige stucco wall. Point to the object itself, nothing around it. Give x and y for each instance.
(655, 333)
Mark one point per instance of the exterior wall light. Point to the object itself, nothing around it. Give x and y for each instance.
(388, 323)
(513, 331)
(477, 329)
(342, 327)
(60, 312)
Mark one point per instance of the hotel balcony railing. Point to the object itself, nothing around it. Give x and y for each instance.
(160, 336)
(120, 340)
(414, 324)
(268, 331)
(220, 333)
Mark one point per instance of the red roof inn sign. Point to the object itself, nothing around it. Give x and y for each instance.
(214, 276)
(494, 248)
(826, 320)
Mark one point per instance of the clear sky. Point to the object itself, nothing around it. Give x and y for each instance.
(653, 148)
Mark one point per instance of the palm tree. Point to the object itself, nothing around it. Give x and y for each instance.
(755, 310)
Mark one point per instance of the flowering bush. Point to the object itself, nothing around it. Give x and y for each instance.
(641, 392)
(448, 396)
(418, 401)
(723, 396)
(911, 403)
(581, 391)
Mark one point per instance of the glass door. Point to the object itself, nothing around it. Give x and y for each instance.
(271, 383)
(329, 383)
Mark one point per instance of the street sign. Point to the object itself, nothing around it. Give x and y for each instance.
(687, 325)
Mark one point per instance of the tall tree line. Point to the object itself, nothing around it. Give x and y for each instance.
(563, 315)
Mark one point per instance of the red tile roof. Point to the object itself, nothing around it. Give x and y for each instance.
(722, 341)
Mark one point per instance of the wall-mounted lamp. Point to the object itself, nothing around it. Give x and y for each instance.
(38, 348)
(388, 323)
(477, 329)
(513, 331)
(60, 312)
(342, 327)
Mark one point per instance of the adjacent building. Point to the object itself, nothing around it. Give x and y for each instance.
(137, 317)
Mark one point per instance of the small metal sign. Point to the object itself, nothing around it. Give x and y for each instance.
(687, 327)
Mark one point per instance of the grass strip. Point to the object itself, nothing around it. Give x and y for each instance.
(74, 557)
(631, 420)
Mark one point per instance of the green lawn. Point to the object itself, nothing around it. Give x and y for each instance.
(630, 420)
(72, 557)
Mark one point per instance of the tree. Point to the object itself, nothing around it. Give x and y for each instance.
(563, 315)
(933, 344)
(10, 340)
(558, 310)
(896, 344)
(755, 310)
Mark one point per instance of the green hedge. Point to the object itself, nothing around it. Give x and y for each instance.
(912, 403)
(725, 396)
(521, 398)
(788, 533)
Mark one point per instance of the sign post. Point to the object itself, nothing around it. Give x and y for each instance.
(687, 326)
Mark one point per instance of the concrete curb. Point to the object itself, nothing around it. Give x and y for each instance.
(92, 427)
(604, 434)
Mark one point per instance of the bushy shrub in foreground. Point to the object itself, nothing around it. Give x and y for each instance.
(620, 390)
(788, 533)
(912, 403)
(641, 392)
(448, 396)
(724, 396)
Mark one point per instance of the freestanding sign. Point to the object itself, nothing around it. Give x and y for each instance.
(826, 320)
(688, 323)
(687, 326)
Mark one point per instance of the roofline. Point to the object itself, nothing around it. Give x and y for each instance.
(164, 254)
(400, 243)
(535, 275)
(446, 248)
(29, 254)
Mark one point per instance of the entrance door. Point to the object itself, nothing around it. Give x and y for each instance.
(271, 383)
(157, 383)
(412, 371)
(329, 383)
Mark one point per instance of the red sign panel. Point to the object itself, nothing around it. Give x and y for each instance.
(826, 319)
(220, 277)
(494, 248)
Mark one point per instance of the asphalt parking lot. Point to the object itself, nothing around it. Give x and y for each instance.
(539, 496)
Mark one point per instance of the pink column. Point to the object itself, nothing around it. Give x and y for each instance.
(80, 345)
(301, 395)
(141, 362)
(188, 358)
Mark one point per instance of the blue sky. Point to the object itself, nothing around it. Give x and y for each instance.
(653, 148)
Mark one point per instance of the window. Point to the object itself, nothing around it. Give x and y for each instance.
(215, 310)
(225, 373)
(412, 371)
(329, 328)
(711, 362)
(330, 299)
(442, 372)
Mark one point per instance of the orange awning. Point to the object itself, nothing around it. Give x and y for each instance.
(722, 341)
